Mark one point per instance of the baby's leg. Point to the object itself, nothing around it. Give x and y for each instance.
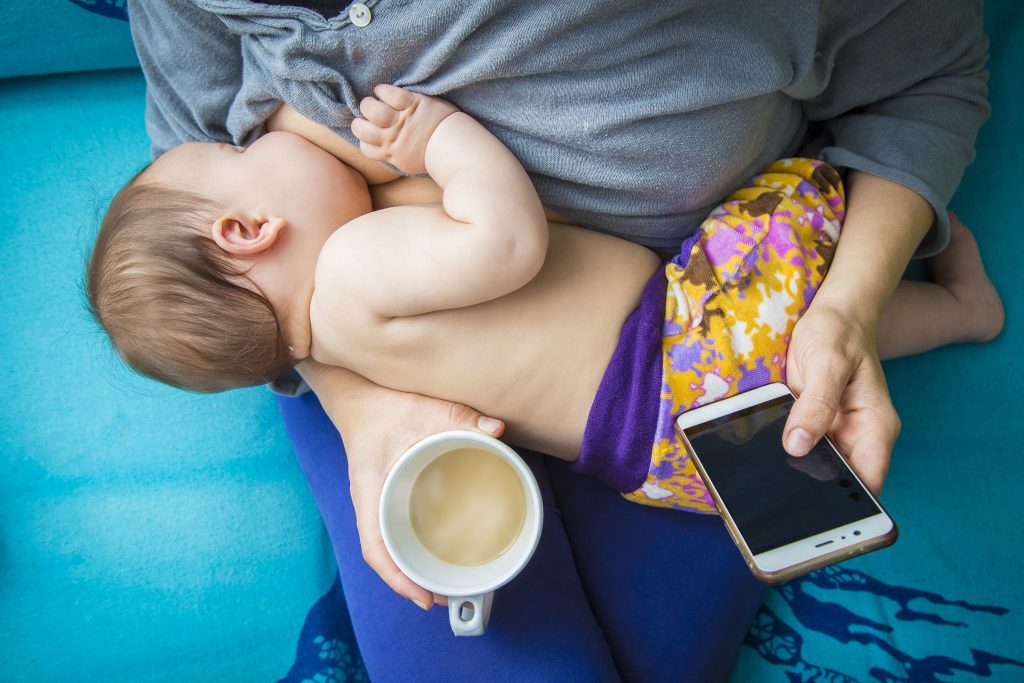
(961, 305)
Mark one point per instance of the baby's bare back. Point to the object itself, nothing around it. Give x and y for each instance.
(533, 358)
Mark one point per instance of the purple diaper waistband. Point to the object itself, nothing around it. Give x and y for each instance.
(623, 419)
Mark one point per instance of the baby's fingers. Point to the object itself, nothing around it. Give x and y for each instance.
(375, 111)
(394, 97)
(373, 152)
(367, 132)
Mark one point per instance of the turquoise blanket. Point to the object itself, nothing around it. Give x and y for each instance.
(147, 534)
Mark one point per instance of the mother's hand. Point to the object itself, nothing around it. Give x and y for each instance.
(378, 425)
(833, 367)
(832, 363)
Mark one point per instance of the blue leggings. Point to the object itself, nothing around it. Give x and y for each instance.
(616, 591)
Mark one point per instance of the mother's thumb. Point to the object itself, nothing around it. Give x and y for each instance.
(812, 414)
(463, 417)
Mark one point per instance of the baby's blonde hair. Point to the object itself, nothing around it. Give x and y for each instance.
(176, 307)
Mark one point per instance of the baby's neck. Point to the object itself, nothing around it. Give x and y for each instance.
(285, 275)
(293, 317)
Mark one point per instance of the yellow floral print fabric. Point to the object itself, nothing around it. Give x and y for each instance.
(732, 301)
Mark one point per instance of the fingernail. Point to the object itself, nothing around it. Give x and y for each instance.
(422, 605)
(799, 442)
(488, 424)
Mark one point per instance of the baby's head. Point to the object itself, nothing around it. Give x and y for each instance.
(202, 271)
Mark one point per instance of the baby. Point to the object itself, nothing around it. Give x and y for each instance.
(221, 267)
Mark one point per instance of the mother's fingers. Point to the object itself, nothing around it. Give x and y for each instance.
(823, 383)
(869, 456)
(376, 554)
(867, 426)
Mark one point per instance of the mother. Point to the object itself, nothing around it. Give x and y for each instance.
(634, 119)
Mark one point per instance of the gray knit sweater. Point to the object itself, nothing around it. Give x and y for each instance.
(634, 118)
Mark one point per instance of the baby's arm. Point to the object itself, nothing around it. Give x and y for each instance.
(488, 240)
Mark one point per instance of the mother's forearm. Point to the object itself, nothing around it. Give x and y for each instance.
(885, 222)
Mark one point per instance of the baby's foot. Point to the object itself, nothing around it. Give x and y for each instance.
(960, 270)
(397, 124)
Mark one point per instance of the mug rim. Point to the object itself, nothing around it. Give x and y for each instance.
(534, 502)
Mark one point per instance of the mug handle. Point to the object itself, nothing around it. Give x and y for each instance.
(474, 624)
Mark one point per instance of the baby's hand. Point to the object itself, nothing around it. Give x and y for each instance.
(397, 124)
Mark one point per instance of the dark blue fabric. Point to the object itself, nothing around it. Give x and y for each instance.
(615, 591)
(327, 652)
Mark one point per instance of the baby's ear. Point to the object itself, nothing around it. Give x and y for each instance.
(246, 234)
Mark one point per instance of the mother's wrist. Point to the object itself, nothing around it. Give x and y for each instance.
(855, 304)
(339, 390)
(878, 238)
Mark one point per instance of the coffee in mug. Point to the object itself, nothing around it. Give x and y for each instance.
(467, 506)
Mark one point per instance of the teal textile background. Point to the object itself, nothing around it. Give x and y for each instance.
(145, 533)
(53, 36)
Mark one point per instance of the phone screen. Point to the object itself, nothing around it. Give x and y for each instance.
(774, 498)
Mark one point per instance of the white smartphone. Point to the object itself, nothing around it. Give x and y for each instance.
(787, 515)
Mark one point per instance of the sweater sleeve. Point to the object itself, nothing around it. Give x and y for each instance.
(193, 70)
(905, 96)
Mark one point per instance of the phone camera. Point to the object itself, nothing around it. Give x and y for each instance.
(855, 495)
(856, 532)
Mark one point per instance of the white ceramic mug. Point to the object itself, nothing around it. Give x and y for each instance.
(470, 589)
